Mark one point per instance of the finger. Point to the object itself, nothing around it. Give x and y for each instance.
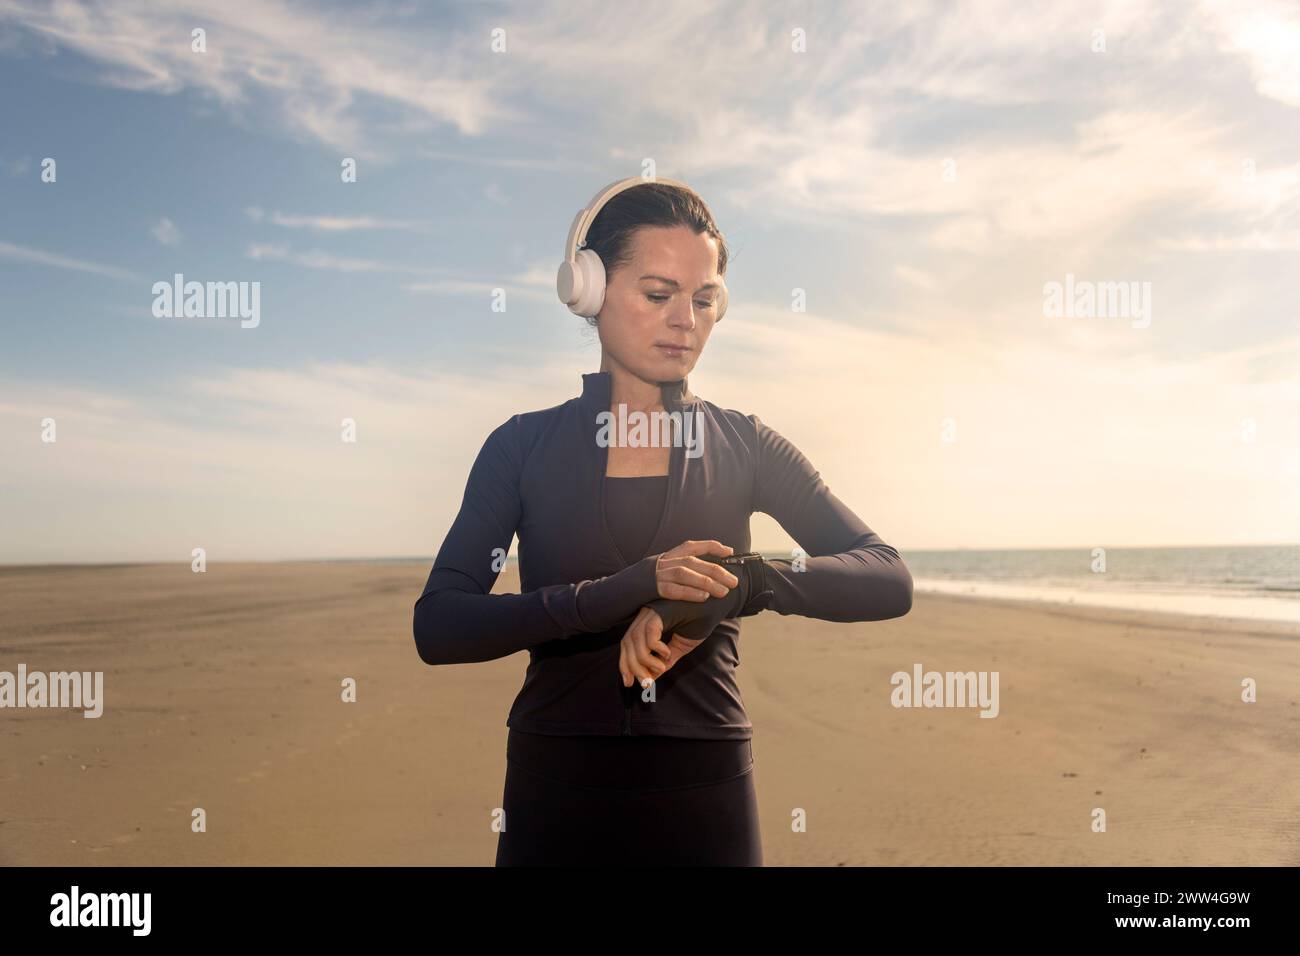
(693, 578)
(653, 633)
(703, 576)
(660, 650)
(653, 625)
(682, 592)
(623, 668)
(654, 651)
(663, 654)
(709, 547)
(701, 547)
(715, 572)
(651, 665)
(638, 657)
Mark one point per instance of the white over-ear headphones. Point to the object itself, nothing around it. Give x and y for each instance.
(580, 280)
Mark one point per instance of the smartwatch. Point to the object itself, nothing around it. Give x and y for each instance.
(749, 566)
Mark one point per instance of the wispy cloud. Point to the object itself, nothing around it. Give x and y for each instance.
(1255, 241)
(42, 258)
(1267, 36)
(332, 223)
(503, 162)
(536, 283)
(317, 259)
(470, 287)
(15, 166)
(165, 231)
(916, 277)
(799, 129)
(293, 56)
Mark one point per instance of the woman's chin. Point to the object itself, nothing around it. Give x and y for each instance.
(670, 369)
(663, 368)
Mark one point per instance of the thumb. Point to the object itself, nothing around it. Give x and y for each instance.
(654, 625)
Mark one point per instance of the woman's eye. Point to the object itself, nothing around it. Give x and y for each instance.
(660, 297)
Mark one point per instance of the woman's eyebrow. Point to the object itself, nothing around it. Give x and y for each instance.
(676, 285)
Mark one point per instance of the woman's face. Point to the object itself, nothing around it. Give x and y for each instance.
(661, 305)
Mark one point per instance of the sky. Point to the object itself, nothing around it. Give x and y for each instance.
(898, 184)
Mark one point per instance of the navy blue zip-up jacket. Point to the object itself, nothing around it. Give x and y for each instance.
(541, 476)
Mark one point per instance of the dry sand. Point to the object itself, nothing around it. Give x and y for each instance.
(223, 692)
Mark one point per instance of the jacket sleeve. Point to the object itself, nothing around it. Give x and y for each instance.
(849, 574)
(458, 620)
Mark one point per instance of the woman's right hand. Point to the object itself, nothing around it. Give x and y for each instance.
(683, 576)
(645, 655)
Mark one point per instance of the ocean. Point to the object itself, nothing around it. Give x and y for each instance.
(1255, 582)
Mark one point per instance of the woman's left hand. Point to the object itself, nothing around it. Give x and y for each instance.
(643, 655)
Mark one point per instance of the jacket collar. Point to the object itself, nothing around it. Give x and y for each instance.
(597, 388)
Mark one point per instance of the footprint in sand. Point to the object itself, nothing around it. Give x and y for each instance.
(348, 734)
(255, 774)
(112, 844)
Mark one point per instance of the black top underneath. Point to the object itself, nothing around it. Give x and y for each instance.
(632, 510)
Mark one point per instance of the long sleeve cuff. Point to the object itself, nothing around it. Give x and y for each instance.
(455, 622)
(598, 605)
(869, 583)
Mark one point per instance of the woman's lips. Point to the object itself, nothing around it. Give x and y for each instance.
(672, 351)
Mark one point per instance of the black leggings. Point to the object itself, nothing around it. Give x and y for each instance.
(589, 800)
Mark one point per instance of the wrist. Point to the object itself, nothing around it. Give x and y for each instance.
(752, 592)
(761, 593)
(606, 601)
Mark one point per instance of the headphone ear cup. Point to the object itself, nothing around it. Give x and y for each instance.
(567, 282)
(592, 296)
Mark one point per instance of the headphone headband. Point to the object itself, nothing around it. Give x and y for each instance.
(587, 214)
(580, 280)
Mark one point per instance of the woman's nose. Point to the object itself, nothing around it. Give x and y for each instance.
(683, 318)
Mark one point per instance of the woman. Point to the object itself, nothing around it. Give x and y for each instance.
(628, 742)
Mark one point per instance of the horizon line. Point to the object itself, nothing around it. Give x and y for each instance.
(512, 558)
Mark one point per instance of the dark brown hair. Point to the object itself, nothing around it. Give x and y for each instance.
(648, 204)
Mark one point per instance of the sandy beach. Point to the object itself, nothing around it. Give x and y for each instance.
(223, 691)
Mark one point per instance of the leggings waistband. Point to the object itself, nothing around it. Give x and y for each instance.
(633, 762)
